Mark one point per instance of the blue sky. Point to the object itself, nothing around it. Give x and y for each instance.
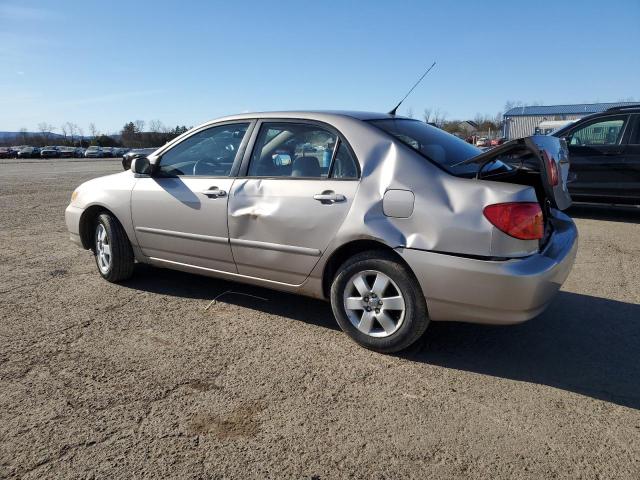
(109, 62)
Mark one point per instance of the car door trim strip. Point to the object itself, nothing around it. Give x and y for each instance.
(189, 236)
(312, 252)
(222, 273)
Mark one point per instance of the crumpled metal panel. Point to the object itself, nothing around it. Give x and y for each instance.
(447, 215)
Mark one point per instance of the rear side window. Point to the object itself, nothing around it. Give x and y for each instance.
(437, 145)
(301, 150)
(344, 165)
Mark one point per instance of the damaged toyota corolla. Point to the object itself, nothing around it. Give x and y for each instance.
(396, 222)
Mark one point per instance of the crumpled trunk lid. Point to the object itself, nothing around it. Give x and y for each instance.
(538, 154)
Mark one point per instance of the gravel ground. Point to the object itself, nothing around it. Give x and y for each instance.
(139, 380)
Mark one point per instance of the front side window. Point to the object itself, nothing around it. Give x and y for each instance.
(292, 150)
(604, 132)
(210, 152)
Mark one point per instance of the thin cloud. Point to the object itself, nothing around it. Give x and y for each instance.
(15, 13)
(112, 97)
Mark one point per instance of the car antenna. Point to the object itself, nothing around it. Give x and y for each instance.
(393, 112)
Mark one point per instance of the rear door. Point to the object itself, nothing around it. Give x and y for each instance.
(180, 211)
(301, 178)
(597, 153)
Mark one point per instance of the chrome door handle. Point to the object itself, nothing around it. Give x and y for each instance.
(329, 197)
(214, 192)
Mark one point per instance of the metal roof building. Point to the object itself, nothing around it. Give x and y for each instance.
(522, 121)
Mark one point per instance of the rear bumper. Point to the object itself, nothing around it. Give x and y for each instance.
(495, 292)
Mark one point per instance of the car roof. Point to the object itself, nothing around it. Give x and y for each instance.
(322, 115)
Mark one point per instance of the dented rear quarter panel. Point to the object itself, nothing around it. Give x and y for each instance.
(447, 216)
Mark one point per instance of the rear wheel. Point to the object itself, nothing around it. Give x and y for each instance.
(113, 252)
(377, 301)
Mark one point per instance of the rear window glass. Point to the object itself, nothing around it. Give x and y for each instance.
(437, 145)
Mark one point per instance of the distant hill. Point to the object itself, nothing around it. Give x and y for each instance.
(4, 136)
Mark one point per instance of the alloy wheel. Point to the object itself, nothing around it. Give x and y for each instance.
(103, 249)
(374, 303)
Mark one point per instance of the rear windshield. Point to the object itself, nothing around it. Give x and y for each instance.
(440, 147)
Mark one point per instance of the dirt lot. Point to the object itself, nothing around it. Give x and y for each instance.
(138, 380)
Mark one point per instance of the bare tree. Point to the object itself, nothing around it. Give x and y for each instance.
(439, 117)
(93, 129)
(409, 112)
(426, 114)
(65, 131)
(156, 126)
(23, 135)
(80, 134)
(72, 128)
(45, 129)
(509, 104)
(139, 125)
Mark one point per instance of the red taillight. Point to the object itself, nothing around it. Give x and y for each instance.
(552, 168)
(520, 220)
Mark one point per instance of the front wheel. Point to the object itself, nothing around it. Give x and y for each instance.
(113, 252)
(377, 301)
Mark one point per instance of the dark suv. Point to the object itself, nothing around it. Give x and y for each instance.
(604, 150)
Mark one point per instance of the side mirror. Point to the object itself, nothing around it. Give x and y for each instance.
(141, 166)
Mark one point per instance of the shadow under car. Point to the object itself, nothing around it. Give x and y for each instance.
(583, 344)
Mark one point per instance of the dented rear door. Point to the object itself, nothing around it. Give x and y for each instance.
(279, 227)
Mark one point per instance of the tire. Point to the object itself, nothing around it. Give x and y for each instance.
(117, 264)
(396, 325)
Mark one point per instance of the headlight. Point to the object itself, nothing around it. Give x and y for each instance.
(74, 195)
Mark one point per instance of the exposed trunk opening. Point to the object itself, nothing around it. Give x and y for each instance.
(539, 162)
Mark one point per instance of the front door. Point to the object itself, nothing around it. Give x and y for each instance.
(596, 153)
(300, 184)
(632, 159)
(180, 211)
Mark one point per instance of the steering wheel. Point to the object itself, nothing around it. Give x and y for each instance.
(200, 167)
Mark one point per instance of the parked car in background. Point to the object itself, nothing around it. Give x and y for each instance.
(483, 142)
(67, 152)
(49, 152)
(244, 198)
(93, 152)
(5, 152)
(136, 153)
(16, 149)
(107, 152)
(497, 141)
(29, 152)
(79, 152)
(605, 156)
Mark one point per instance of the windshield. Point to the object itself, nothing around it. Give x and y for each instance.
(440, 147)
